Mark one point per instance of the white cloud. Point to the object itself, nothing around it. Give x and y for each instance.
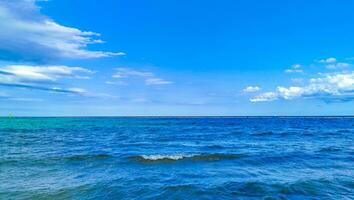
(267, 96)
(289, 93)
(251, 89)
(328, 60)
(24, 99)
(294, 69)
(26, 34)
(338, 86)
(41, 77)
(339, 65)
(332, 63)
(334, 84)
(78, 90)
(156, 81)
(149, 77)
(126, 72)
(116, 83)
(25, 73)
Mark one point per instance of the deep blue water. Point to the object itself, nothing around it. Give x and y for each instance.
(177, 158)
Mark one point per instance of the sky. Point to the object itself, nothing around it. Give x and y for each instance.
(176, 57)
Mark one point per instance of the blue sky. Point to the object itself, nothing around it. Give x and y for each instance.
(157, 57)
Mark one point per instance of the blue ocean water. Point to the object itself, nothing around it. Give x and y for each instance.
(177, 158)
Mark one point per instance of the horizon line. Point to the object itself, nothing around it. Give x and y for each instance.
(181, 116)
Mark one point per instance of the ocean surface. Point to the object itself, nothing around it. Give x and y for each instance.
(177, 158)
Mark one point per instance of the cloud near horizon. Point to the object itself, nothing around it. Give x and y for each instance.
(335, 86)
(22, 26)
(329, 87)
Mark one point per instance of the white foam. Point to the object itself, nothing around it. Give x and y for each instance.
(161, 157)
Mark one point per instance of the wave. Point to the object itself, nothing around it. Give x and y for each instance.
(180, 157)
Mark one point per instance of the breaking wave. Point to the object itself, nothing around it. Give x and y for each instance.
(189, 157)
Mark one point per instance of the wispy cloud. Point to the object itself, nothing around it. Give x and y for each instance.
(250, 89)
(156, 81)
(149, 77)
(340, 65)
(126, 72)
(328, 60)
(295, 69)
(24, 99)
(23, 73)
(333, 63)
(40, 77)
(22, 25)
(116, 83)
(267, 96)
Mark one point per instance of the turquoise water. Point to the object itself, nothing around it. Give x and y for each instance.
(177, 158)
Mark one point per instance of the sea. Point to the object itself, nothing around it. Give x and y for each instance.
(177, 158)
